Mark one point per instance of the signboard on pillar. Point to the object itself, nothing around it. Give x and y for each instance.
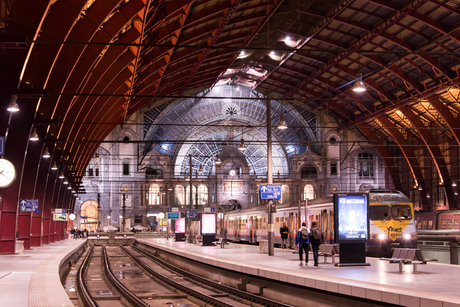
(29, 205)
(270, 191)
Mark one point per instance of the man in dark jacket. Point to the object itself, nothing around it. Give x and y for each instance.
(316, 238)
(284, 231)
(303, 241)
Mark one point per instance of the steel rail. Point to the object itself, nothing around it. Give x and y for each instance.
(130, 296)
(233, 291)
(82, 288)
(196, 294)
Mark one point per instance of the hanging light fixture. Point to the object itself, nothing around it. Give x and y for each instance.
(13, 106)
(359, 85)
(46, 153)
(218, 160)
(61, 175)
(170, 187)
(69, 188)
(282, 125)
(34, 135)
(54, 166)
(66, 181)
(242, 147)
(200, 171)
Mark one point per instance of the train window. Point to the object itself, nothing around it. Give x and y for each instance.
(264, 223)
(455, 224)
(277, 225)
(400, 212)
(379, 213)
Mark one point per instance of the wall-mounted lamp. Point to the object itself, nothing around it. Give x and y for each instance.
(13, 106)
(34, 135)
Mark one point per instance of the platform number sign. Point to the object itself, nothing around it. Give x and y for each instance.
(270, 191)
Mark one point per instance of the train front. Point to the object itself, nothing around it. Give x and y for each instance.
(392, 223)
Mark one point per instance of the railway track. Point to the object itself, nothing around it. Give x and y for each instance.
(159, 282)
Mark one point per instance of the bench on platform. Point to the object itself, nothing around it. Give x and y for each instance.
(327, 250)
(404, 256)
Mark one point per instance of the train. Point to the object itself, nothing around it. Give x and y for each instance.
(438, 222)
(391, 220)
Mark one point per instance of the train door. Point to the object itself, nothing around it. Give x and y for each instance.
(237, 228)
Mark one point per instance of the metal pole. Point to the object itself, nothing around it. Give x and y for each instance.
(124, 211)
(271, 234)
(98, 211)
(189, 221)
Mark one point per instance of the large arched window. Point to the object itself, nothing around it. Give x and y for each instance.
(153, 173)
(202, 195)
(154, 195)
(308, 192)
(187, 195)
(179, 195)
(308, 172)
(366, 165)
(284, 194)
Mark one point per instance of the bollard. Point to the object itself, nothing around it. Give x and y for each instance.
(453, 252)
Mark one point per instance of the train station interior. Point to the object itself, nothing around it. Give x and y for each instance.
(118, 111)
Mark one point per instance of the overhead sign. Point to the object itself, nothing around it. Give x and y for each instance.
(2, 145)
(60, 217)
(171, 209)
(209, 209)
(270, 191)
(28, 205)
(59, 210)
(191, 214)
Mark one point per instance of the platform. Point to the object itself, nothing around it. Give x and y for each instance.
(31, 278)
(435, 285)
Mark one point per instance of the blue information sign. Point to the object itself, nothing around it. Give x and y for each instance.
(270, 191)
(2, 145)
(28, 205)
(191, 214)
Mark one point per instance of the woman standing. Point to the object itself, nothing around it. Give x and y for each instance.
(284, 231)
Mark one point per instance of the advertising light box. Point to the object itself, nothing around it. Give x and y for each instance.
(180, 225)
(208, 222)
(351, 215)
(61, 217)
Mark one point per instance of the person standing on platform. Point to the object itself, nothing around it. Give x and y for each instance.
(316, 238)
(284, 231)
(223, 233)
(303, 241)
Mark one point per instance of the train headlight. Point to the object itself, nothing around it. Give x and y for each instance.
(407, 236)
(382, 236)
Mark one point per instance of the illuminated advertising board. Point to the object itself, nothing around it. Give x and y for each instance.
(173, 215)
(351, 215)
(60, 217)
(208, 224)
(180, 225)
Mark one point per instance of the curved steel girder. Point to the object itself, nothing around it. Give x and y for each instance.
(409, 155)
(445, 113)
(212, 39)
(435, 153)
(387, 158)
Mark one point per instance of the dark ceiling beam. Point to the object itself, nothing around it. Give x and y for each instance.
(211, 40)
(435, 153)
(386, 156)
(409, 155)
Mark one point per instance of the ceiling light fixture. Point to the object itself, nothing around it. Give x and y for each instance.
(359, 85)
(34, 135)
(61, 175)
(13, 106)
(54, 166)
(217, 160)
(282, 125)
(200, 170)
(242, 147)
(46, 153)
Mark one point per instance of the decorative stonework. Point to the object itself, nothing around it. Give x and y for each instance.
(230, 109)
